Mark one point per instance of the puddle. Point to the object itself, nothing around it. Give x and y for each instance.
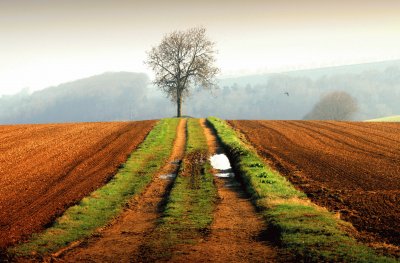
(220, 162)
(176, 162)
(225, 175)
(229, 185)
(167, 176)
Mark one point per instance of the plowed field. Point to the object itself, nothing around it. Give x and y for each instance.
(46, 168)
(350, 167)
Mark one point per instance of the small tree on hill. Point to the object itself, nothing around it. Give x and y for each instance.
(183, 59)
(337, 105)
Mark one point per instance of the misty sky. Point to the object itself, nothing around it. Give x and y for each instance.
(47, 42)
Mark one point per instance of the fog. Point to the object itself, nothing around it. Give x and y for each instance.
(374, 86)
(130, 96)
(48, 42)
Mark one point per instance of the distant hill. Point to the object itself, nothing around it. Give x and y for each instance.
(313, 74)
(128, 96)
(109, 96)
(375, 86)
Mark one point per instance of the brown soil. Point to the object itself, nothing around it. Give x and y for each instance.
(237, 233)
(120, 241)
(44, 169)
(349, 167)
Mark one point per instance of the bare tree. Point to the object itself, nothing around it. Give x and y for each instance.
(183, 59)
(337, 105)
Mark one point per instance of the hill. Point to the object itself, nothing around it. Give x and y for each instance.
(287, 96)
(375, 87)
(105, 97)
(313, 74)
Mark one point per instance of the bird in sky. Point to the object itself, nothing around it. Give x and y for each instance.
(286, 93)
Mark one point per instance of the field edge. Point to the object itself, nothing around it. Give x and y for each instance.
(102, 205)
(304, 231)
(394, 118)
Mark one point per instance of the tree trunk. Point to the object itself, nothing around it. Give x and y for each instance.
(179, 109)
(178, 103)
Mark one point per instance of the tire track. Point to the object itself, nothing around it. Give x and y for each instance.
(123, 238)
(237, 233)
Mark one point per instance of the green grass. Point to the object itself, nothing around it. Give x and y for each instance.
(196, 140)
(191, 202)
(96, 210)
(306, 232)
(189, 210)
(386, 119)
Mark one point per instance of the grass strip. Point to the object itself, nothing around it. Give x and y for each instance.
(102, 205)
(307, 232)
(189, 210)
(191, 202)
(386, 119)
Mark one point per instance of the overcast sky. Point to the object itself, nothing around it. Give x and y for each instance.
(48, 42)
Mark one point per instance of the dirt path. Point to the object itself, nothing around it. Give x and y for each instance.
(237, 231)
(120, 241)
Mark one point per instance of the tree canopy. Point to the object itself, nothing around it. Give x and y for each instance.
(183, 59)
(337, 105)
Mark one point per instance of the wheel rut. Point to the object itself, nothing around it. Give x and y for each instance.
(120, 241)
(238, 232)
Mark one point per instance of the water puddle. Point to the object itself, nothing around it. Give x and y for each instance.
(225, 175)
(176, 162)
(221, 163)
(167, 176)
(231, 185)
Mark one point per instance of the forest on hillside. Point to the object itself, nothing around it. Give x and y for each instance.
(130, 96)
